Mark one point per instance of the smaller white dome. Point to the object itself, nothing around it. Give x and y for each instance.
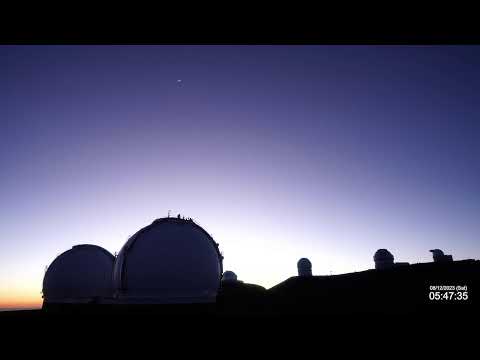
(81, 274)
(304, 267)
(229, 276)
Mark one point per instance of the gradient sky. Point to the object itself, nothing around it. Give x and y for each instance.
(279, 152)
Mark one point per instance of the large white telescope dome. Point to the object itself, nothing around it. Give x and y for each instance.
(81, 274)
(170, 261)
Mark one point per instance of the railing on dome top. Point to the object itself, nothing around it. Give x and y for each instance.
(217, 245)
(196, 222)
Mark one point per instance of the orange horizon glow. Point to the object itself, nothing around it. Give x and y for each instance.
(20, 301)
(20, 305)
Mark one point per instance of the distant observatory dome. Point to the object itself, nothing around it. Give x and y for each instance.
(304, 267)
(383, 259)
(437, 253)
(79, 275)
(172, 260)
(229, 276)
(439, 256)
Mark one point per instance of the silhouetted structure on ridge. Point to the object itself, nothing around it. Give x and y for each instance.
(383, 259)
(396, 289)
(439, 256)
(304, 267)
(229, 276)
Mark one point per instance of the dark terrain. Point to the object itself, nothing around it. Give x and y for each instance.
(396, 294)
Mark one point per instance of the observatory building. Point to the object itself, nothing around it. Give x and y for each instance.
(229, 277)
(172, 260)
(82, 274)
(440, 257)
(304, 267)
(383, 259)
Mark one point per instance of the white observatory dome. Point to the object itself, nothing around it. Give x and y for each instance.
(171, 260)
(383, 259)
(79, 275)
(304, 267)
(229, 276)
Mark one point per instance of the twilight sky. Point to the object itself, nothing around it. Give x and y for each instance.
(279, 152)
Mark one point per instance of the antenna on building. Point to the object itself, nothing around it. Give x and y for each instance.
(169, 213)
